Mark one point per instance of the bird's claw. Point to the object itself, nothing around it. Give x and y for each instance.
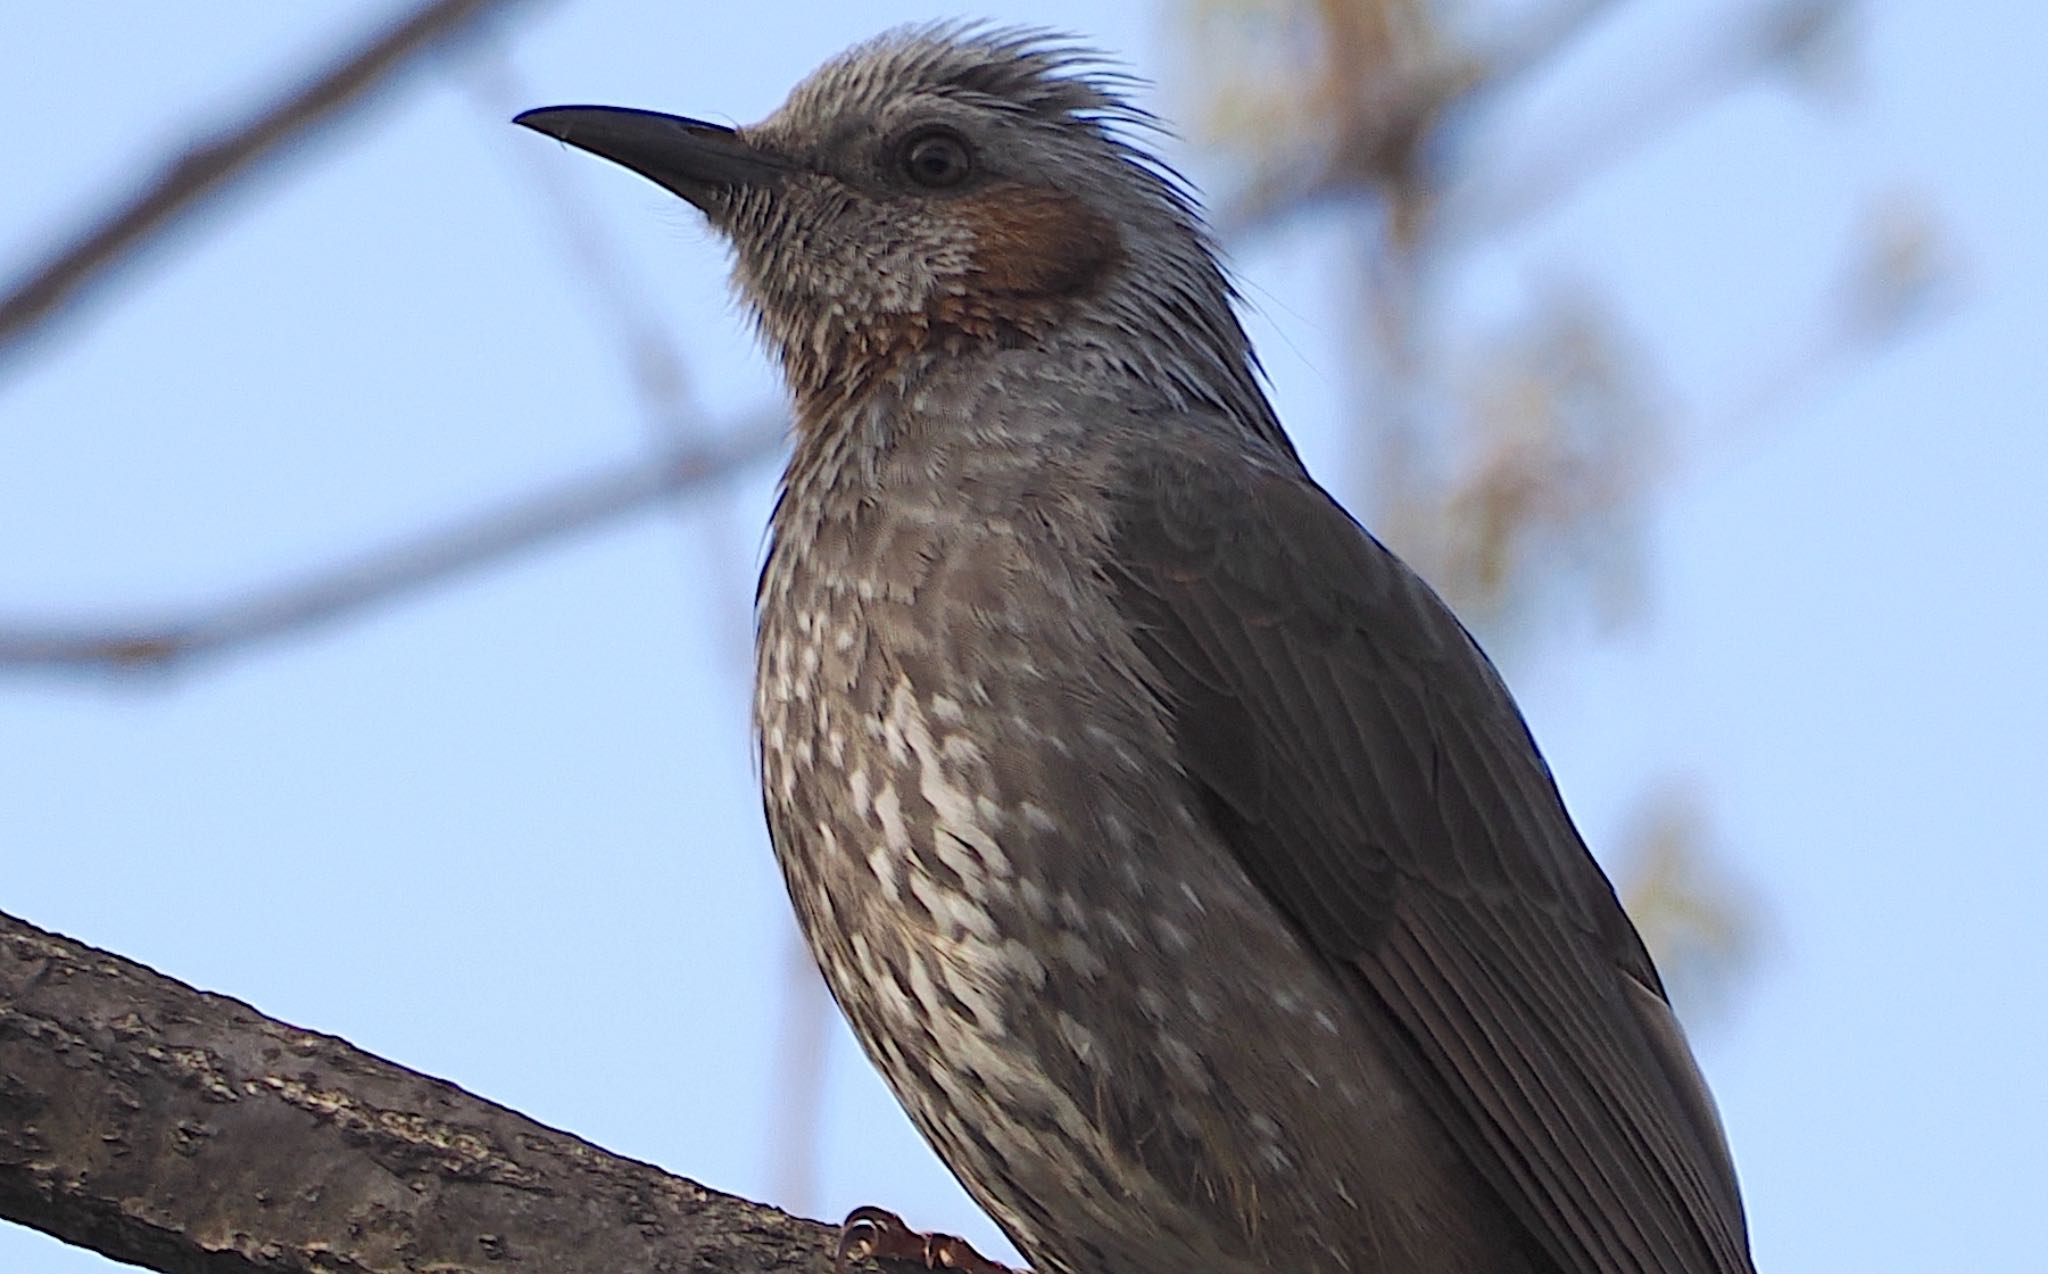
(871, 1233)
(878, 1234)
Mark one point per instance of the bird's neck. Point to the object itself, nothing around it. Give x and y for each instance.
(839, 369)
(855, 386)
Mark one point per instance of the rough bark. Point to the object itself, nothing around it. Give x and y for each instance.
(187, 1132)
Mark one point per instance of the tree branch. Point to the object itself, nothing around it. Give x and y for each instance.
(186, 1132)
(210, 166)
(1478, 205)
(383, 574)
(1395, 110)
(1403, 114)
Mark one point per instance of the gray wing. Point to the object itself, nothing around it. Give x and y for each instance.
(1370, 772)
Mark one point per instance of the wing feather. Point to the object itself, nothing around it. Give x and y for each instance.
(1371, 774)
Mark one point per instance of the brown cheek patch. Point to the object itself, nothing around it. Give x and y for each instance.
(1034, 242)
(1033, 248)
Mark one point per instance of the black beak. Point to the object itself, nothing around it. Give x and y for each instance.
(696, 160)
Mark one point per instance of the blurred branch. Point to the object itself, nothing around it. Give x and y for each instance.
(803, 1043)
(649, 357)
(1562, 438)
(1702, 921)
(1392, 109)
(209, 167)
(1903, 275)
(652, 362)
(384, 574)
(1540, 37)
(181, 1131)
(1479, 203)
(1555, 438)
(657, 371)
(1394, 117)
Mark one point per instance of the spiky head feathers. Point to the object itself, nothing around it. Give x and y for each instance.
(954, 186)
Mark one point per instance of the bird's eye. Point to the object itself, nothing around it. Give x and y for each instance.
(937, 159)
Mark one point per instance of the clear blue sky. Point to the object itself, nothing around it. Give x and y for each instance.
(507, 834)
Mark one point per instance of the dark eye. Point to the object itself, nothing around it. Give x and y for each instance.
(937, 159)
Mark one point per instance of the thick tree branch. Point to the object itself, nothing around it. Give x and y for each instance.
(209, 166)
(186, 1132)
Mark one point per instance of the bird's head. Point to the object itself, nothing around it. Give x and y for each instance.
(940, 189)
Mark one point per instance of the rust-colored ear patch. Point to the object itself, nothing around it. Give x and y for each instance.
(1033, 249)
(1031, 242)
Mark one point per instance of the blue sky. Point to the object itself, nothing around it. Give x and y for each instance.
(506, 832)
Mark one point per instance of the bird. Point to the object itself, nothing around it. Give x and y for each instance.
(1176, 855)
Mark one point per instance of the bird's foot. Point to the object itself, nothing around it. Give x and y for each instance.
(876, 1233)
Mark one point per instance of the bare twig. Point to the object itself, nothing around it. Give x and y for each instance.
(1479, 204)
(803, 1038)
(656, 370)
(1447, 87)
(1392, 111)
(1904, 276)
(56, 284)
(384, 574)
(648, 354)
(1539, 37)
(651, 361)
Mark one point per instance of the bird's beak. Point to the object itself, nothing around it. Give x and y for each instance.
(696, 160)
